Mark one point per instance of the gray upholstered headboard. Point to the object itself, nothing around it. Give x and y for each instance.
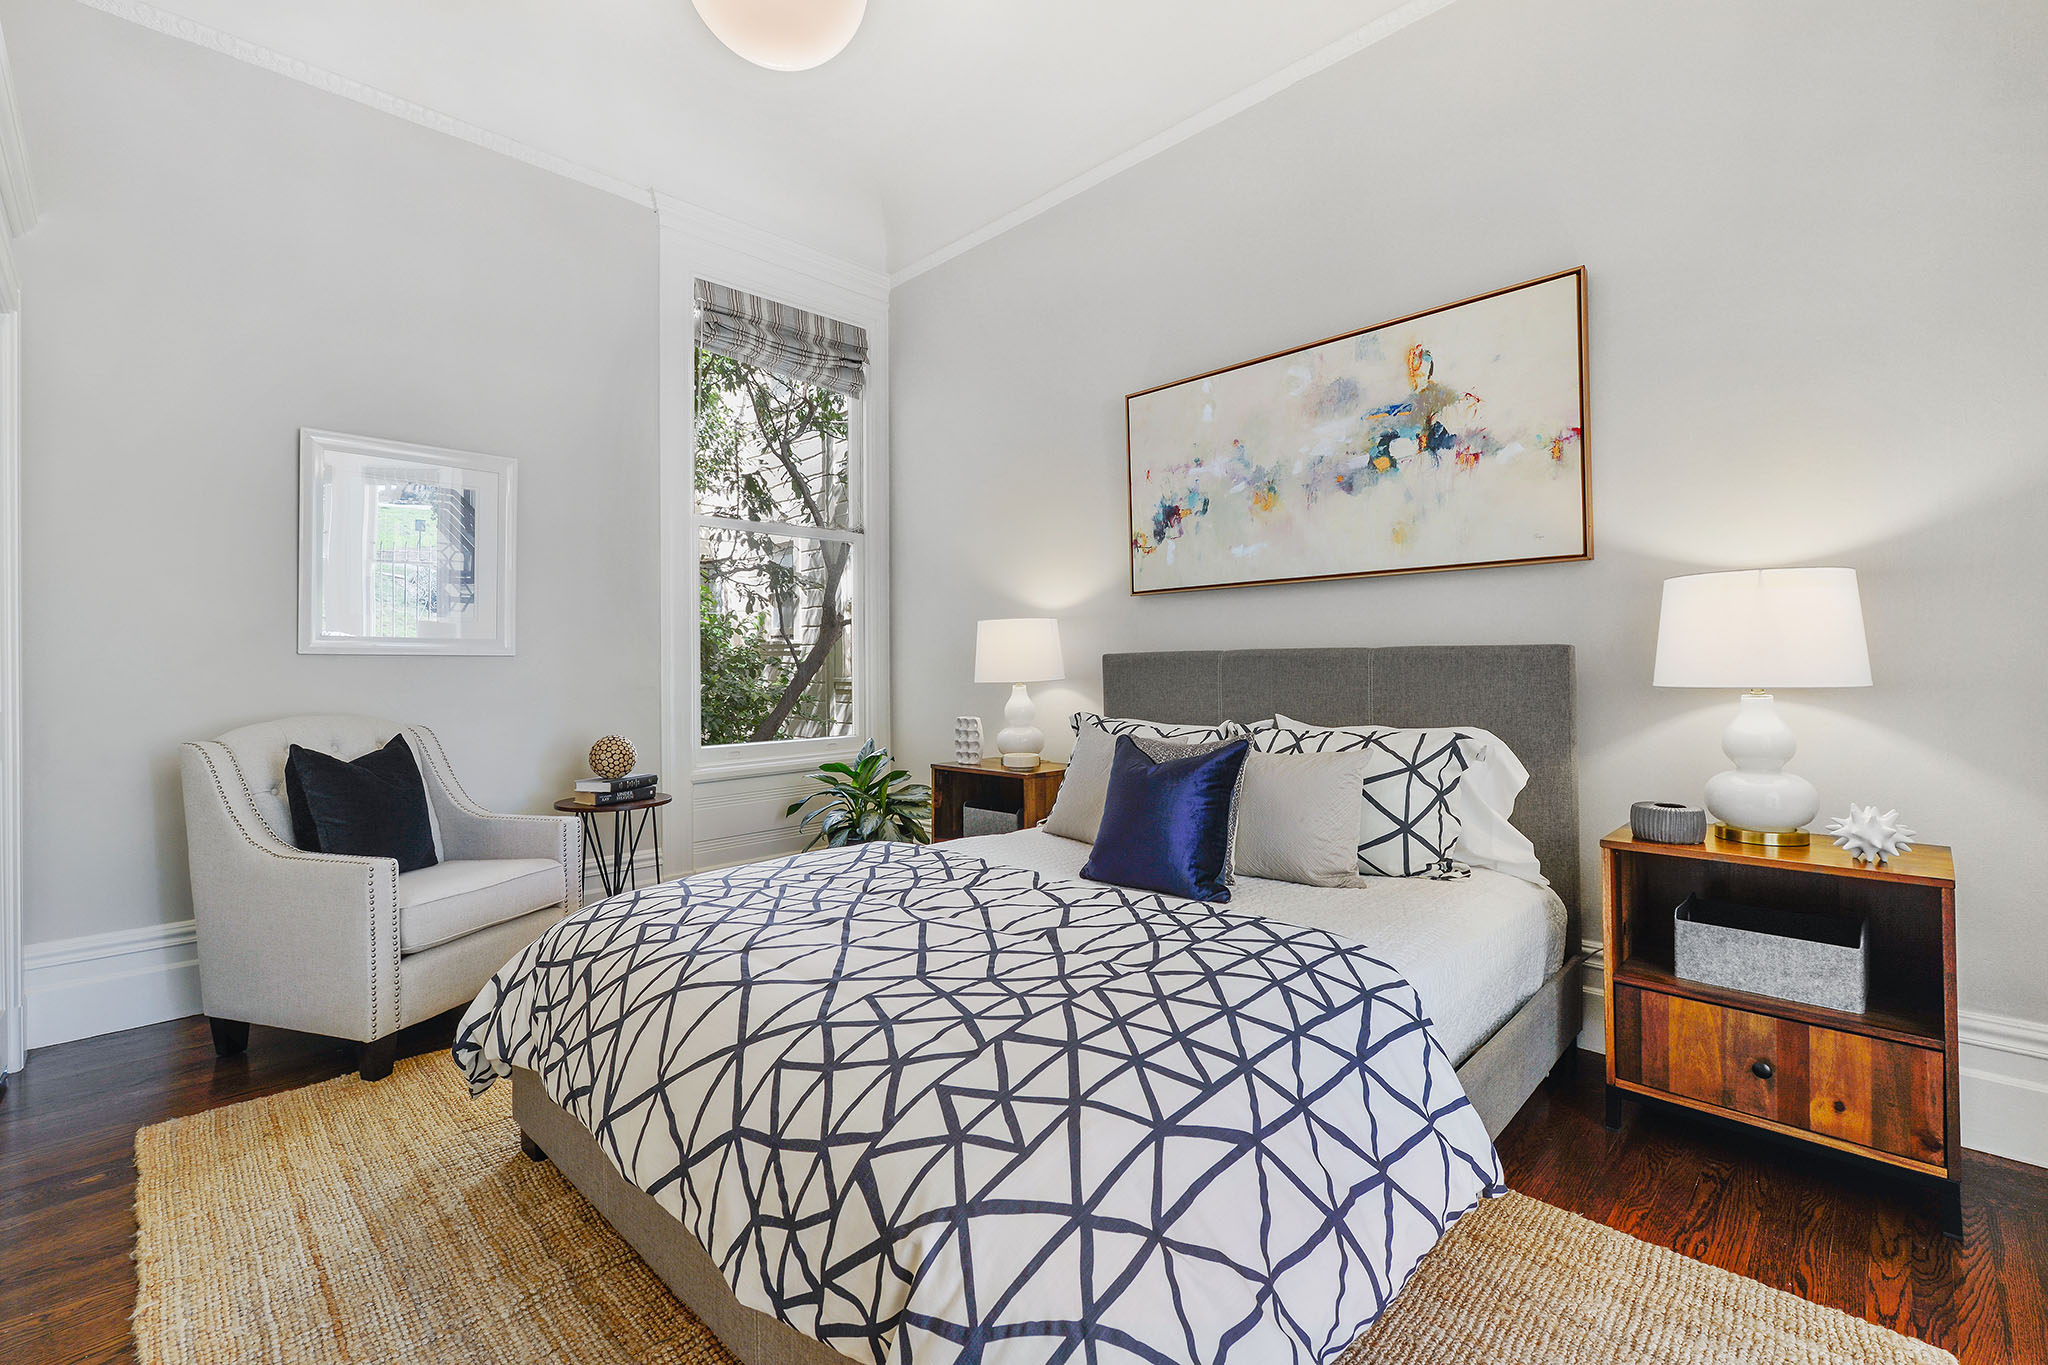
(1526, 694)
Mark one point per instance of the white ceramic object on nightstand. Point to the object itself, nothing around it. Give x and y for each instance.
(1870, 837)
(967, 739)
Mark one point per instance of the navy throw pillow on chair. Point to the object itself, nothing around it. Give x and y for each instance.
(374, 807)
(1166, 824)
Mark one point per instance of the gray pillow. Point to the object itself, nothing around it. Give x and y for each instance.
(1077, 810)
(1298, 817)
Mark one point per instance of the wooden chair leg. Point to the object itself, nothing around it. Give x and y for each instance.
(379, 1057)
(531, 1148)
(230, 1036)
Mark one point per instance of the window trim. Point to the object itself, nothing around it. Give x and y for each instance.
(696, 243)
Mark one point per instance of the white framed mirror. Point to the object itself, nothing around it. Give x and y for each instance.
(404, 549)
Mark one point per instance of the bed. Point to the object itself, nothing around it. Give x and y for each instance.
(1434, 1059)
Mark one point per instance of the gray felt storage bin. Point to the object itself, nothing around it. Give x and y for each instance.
(980, 820)
(1791, 954)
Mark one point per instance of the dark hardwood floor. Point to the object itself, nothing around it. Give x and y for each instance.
(1787, 1217)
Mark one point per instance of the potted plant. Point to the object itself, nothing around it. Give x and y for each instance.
(867, 802)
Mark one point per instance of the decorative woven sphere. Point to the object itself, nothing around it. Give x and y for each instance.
(611, 757)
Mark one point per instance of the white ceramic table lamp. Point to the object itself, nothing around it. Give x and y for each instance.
(1017, 651)
(1760, 629)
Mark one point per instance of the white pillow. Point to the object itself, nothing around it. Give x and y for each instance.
(1077, 810)
(1298, 817)
(1485, 804)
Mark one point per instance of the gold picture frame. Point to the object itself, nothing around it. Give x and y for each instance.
(1451, 438)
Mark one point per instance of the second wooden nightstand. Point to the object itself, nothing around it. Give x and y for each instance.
(1879, 1084)
(1026, 791)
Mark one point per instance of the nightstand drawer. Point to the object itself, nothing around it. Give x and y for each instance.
(1873, 1093)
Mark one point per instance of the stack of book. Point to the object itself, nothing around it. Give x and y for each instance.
(613, 791)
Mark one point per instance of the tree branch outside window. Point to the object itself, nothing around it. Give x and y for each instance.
(775, 607)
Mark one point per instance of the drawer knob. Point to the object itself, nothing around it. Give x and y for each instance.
(1761, 1070)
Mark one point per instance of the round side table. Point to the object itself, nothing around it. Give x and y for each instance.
(618, 872)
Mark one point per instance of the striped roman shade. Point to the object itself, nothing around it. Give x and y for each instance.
(787, 341)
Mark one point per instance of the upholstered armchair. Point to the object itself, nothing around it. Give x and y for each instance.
(345, 946)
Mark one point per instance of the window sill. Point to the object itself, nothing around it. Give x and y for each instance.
(705, 771)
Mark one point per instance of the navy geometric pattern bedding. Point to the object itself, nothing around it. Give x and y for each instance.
(926, 1109)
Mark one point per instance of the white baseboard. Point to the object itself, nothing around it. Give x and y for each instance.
(104, 983)
(2004, 1065)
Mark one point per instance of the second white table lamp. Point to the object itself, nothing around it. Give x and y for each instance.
(1759, 629)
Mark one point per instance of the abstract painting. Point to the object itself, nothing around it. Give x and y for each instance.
(1447, 439)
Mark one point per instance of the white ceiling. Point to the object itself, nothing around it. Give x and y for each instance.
(942, 117)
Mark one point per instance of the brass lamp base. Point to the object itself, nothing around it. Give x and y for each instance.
(1770, 838)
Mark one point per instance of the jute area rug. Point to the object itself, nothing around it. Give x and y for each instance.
(399, 1222)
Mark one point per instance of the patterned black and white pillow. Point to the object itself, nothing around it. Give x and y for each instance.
(1221, 732)
(1406, 825)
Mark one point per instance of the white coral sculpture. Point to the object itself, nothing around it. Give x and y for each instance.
(1870, 837)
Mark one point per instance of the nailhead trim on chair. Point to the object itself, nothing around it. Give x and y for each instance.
(250, 792)
(377, 1029)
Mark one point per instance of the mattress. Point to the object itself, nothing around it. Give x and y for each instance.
(1474, 948)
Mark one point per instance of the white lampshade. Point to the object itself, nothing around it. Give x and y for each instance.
(1020, 649)
(1762, 628)
(783, 35)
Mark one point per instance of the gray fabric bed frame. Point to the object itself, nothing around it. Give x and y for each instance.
(1525, 694)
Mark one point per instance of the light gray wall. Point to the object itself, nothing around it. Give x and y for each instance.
(1819, 333)
(226, 256)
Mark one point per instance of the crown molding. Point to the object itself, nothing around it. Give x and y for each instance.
(730, 234)
(694, 219)
(1350, 45)
(212, 39)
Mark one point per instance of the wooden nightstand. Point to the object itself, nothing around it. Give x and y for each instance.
(1880, 1085)
(991, 786)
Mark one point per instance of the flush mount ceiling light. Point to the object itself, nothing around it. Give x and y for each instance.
(783, 35)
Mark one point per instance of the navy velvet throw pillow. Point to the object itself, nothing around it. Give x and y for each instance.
(374, 807)
(1166, 825)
